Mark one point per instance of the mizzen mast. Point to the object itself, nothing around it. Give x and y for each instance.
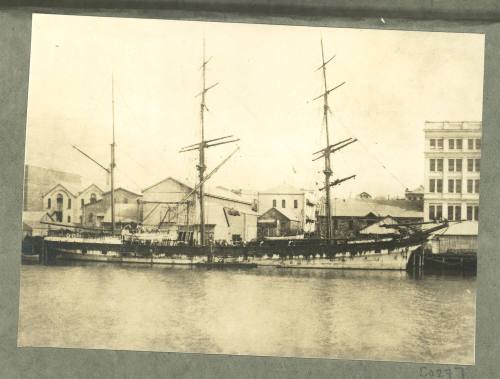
(329, 149)
(204, 144)
(111, 169)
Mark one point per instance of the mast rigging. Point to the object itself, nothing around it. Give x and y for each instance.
(329, 149)
(202, 145)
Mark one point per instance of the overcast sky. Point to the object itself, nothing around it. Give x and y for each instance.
(395, 81)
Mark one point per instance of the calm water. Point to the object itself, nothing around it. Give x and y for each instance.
(303, 313)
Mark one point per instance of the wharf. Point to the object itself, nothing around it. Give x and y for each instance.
(465, 262)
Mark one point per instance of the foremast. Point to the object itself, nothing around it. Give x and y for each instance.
(202, 145)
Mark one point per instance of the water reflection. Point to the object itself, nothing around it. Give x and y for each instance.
(380, 315)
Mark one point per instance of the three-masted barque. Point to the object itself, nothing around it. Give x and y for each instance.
(393, 251)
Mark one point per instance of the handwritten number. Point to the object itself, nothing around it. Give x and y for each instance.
(462, 371)
(442, 373)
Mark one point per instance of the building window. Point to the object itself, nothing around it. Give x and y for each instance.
(451, 165)
(435, 185)
(451, 185)
(478, 162)
(295, 203)
(59, 202)
(472, 212)
(440, 143)
(450, 212)
(433, 165)
(93, 198)
(478, 144)
(81, 219)
(283, 203)
(458, 212)
(469, 212)
(476, 186)
(439, 165)
(459, 144)
(433, 143)
(439, 185)
(69, 203)
(274, 203)
(125, 200)
(435, 212)
(451, 144)
(458, 165)
(69, 218)
(458, 186)
(82, 203)
(49, 203)
(470, 165)
(470, 185)
(470, 144)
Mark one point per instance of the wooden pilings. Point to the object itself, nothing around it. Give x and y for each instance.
(47, 256)
(416, 264)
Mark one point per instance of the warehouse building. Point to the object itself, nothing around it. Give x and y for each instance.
(173, 206)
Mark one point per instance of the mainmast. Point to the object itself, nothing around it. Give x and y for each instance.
(329, 149)
(202, 145)
(112, 164)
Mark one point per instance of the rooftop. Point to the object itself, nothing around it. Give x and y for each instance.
(376, 228)
(284, 189)
(464, 228)
(288, 213)
(380, 208)
(452, 125)
(217, 192)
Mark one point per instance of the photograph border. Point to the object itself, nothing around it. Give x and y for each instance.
(15, 28)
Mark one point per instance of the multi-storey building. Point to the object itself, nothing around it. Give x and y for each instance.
(65, 203)
(452, 166)
(286, 210)
(38, 181)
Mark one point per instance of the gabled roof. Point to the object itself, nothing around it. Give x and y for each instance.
(284, 212)
(88, 187)
(164, 180)
(215, 192)
(64, 188)
(376, 228)
(123, 189)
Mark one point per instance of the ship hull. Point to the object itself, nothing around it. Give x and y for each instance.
(385, 259)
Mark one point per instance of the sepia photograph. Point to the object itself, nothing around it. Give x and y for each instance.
(335, 217)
